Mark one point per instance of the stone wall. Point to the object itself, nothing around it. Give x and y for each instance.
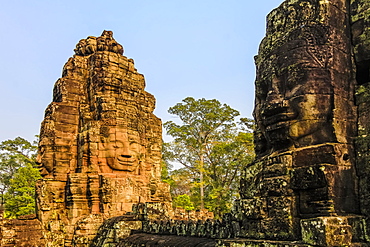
(303, 184)
(360, 14)
(25, 231)
(309, 185)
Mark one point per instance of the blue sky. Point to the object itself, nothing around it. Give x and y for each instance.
(202, 49)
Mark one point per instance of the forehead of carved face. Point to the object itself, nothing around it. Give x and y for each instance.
(293, 102)
(122, 151)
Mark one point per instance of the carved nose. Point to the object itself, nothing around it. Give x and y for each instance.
(273, 97)
(38, 159)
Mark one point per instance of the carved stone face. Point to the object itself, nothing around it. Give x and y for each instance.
(294, 103)
(121, 151)
(45, 161)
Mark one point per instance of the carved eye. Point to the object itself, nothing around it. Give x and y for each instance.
(293, 82)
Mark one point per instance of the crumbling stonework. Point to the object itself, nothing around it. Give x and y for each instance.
(152, 219)
(100, 144)
(25, 231)
(308, 186)
(306, 121)
(360, 13)
(303, 185)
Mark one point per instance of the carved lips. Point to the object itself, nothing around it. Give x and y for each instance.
(276, 115)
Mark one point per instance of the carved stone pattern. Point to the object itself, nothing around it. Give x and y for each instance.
(100, 144)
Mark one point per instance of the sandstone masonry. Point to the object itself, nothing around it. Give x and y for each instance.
(100, 144)
(309, 185)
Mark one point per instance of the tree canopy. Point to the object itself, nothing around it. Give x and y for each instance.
(18, 175)
(213, 147)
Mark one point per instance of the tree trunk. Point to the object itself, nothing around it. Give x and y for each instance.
(201, 180)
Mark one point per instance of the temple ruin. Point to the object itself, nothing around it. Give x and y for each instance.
(100, 143)
(100, 146)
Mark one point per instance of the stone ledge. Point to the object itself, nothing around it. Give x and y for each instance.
(259, 243)
(143, 239)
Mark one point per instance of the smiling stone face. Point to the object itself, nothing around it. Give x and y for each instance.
(305, 122)
(295, 92)
(121, 151)
(100, 143)
(292, 110)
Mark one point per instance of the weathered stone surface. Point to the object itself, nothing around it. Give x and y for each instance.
(114, 230)
(23, 232)
(143, 239)
(306, 117)
(308, 186)
(100, 144)
(361, 42)
(326, 231)
(313, 50)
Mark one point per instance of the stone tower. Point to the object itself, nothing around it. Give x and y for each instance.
(100, 144)
(303, 184)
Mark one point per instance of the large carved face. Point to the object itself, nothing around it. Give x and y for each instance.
(122, 151)
(45, 159)
(294, 101)
(46, 155)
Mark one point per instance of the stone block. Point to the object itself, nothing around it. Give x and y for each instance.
(357, 224)
(280, 228)
(326, 231)
(310, 156)
(276, 186)
(315, 202)
(282, 207)
(253, 208)
(275, 170)
(309, 177)
(249, 181)
(251, 229)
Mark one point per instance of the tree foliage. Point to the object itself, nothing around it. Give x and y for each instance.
(20, 198)
(212, 147)
(18, 176)
(183, 201)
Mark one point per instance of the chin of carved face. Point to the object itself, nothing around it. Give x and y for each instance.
(276, 119)
(276, 135)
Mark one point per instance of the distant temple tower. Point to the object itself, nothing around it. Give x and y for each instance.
(100, 143)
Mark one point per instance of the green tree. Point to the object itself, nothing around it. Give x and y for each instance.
(182, 182)
(183, 201)
(166, 165)
(212, 147)
(225, 161)
(17, 175)
(20, 198)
